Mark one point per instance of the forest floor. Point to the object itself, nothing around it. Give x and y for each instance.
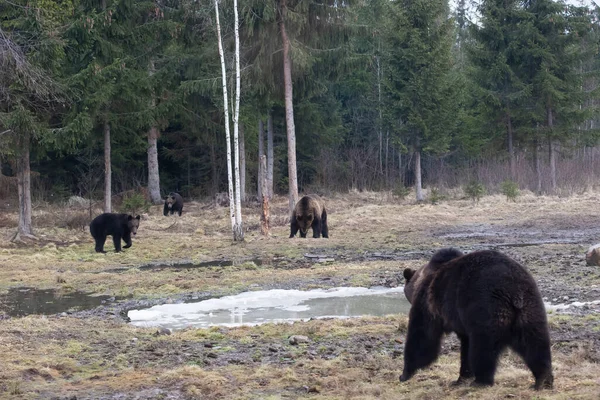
(96, 354)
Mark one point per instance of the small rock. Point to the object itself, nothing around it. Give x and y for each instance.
(313, 389)
(297, 339)
(565, 298)
(134, 340)
(162, 331)
(398, 340)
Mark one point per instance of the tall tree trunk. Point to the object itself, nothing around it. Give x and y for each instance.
(153, 176)
(552, 151)
(380, 122)
(153, 133)
(238, 234)
(107, 170)
(24, 229)
(511, 149)
(264, 200)
(232, 210)
(242, 163)
(418, 185)
(261, 152)
(289, 108)
(270, 155)
(538, 169)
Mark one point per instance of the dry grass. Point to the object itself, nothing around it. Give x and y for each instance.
(92, 357)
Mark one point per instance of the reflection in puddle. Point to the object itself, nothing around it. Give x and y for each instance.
(22, 301)
(253, 308)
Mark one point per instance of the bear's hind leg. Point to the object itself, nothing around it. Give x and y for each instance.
(324, 228)
(534, 347)
(465, 364)
(100, 244)
(483, 355)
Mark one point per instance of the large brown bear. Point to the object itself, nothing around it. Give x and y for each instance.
(119, 226)
(309, 213)
(173, 204)
(490, 301)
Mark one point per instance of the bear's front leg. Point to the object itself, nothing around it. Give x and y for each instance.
(127, 240)
(117, 243)
(316, 228)
(423, 340)
(293, 227)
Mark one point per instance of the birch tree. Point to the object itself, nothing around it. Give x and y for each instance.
(235, 206)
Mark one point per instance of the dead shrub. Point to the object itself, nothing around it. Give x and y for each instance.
(76, 221)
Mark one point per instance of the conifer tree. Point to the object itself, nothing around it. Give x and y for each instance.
(420, 40)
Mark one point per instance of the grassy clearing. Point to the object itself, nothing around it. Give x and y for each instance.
(46, 357)
(66, 356)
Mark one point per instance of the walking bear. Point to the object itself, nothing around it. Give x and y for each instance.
(173, 204)
(309, 213)
(119, 226)
(490, 301)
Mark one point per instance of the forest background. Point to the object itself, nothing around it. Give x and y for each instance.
(104, 97)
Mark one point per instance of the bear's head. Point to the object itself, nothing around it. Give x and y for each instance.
(304, 221)
(133, 223)
(415, 277)
(170, 199)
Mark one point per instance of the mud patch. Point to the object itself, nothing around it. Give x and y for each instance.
(19, 302)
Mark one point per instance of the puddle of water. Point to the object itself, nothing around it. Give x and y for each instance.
(254, 308)
(565, 306)
(19, 302)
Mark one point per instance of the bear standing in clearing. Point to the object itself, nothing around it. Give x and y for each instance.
(490, 301)
(119, 226)
(309, 212)
(173, 204)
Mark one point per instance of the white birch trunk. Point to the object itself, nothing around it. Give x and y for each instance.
(238, 229)
(226, 112)
(242, 163)
(107, 170)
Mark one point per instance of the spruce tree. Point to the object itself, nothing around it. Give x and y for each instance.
(420, 40)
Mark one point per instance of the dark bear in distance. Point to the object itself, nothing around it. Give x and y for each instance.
(490, 301)
(119, 226)
(173, 203)
(309, 212)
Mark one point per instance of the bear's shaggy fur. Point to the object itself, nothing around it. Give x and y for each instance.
(173, 204)
(490, 301)
(119, 226)
(309, 212)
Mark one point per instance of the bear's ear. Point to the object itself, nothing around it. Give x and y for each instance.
(129, 218)
(138, 217)
(409, 273)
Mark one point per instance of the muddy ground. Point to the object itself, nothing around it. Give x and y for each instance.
(70, 353)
